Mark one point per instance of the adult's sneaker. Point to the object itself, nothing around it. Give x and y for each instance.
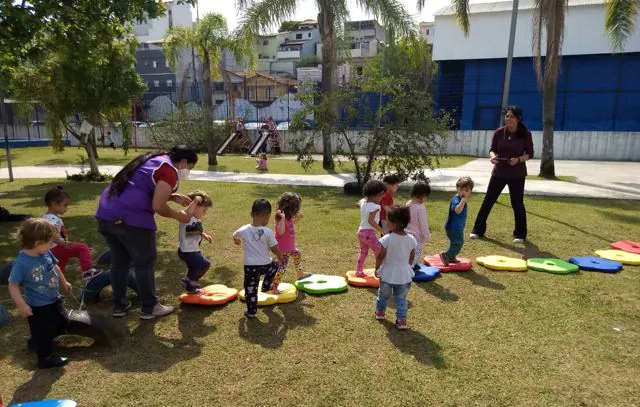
(121, 311)
(158, 311)
(518, 240)
(473, 236)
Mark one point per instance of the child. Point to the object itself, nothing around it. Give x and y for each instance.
(418, 226)
(262, 162)
(394, 265)
(257, 239)
(369, 222)
(35, 269)
(287, 214)
(57, 201)
(392, 181)
(190, 236)
(456, 220)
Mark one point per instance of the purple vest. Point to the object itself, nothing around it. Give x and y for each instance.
(133, 206)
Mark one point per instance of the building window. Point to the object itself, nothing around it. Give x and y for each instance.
(252, 94)
(170, 13)
(298, 36)
(359, 70)
(309, 35)
(259, 56)
(166, 63)
(150, 84)
(218, 87)
(427, 31)
(265, 42)
(155, 64)
(156, 84)
(169, 83)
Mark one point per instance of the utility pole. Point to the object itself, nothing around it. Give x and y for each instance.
(507, 73)
(3, 118)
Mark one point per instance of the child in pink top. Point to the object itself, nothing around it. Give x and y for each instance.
(418, 226)
(287, 214)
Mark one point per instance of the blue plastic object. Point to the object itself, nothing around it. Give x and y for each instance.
(47, 403)
(591, 263)
(426, 273)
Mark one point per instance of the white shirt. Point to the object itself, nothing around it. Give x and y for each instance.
(396, 268)
(365, 209)
(59, 224)
(256, 241)
(190, 235)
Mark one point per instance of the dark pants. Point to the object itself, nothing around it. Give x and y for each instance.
(97, 284)
(516, 193)
(252, 278)
(456, 240)
(131, 247)
(196, 263)
(47, 323)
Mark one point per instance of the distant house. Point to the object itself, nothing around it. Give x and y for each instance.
(257, 88)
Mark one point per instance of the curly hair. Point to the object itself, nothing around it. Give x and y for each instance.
(290, 203)
(399, 216)
(36, 230)
(373, 188)
(206, 199)
(55, 195)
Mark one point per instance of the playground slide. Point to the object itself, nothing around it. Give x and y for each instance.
(226, 143)
(259, 143)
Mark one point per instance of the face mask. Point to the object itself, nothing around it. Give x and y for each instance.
(184, 173)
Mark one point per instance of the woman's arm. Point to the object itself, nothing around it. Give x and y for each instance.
(493, 149)
(161, 196)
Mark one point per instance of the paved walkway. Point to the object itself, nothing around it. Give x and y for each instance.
(613, 180)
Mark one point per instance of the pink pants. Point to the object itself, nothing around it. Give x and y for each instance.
(368, 240)
(78, 250)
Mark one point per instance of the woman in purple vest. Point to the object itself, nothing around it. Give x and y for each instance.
(511, 147)
(126, 220)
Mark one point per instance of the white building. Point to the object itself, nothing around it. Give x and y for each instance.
(427, 29)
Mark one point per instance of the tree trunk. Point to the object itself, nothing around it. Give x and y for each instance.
(93, 163)
(547, 167)
(208, 109)
(94, 143)
(326, 21)
(231, 98)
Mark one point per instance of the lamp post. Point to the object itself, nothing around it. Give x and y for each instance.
(380, 95)
(3, 117)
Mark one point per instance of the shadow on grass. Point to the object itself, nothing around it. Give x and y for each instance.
(80, 192)
(529, 251)
(623, 218)
(438, 291)
(414, 343)
(479, 279)
(191, 322)
(38, 387)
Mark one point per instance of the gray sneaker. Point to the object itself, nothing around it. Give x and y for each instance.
(159, 310)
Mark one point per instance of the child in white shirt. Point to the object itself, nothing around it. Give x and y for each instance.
(369, 222)
(190, 236)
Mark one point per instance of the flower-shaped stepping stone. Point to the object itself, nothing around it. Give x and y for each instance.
(426, 273)
(620, 256)
(289, 294)
(555, 266)
(463, 264)
(215, 294)
(370, 280)
(627, 246)
(591, 263)
(502, 263)
(321, 284)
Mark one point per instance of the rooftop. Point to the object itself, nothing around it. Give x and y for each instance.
(501, 6)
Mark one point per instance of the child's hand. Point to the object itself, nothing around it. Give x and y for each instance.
(66, 286)
(237, 241)
(25, 310)
(207, 237)
(514, 161)
(300, 216)
(279, 214)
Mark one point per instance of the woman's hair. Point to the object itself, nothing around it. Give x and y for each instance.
(261, 207)
(122, 178)
(55, 196)
(36, 230)
(289, 203)
(517, 112)
(465, 182)
(400, 216)
(373, 188)
(392, 179)
(206, 199)
(420, 189)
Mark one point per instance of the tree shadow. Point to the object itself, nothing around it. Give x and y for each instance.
(223, 275)
(479, 279)
(414, 343)
(270, 334)
(528, 251)
(79, 192)
(38, 387)
(623, 218)
(438, 291)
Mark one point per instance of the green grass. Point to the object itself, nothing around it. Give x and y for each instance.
(477, 338)
(226, 163)
(565, 178)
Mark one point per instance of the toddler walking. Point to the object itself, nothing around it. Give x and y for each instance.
(257, 240)
(394, 265)
(392, 181)
(418, 226)
(456, 220)
(57, 201)
(287, 215)
(36, 270)
(369, 222)
(190, 236)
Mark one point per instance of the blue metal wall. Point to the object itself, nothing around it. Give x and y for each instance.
(595, 92)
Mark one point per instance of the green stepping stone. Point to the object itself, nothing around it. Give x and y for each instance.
(321, 284)
(555, 266)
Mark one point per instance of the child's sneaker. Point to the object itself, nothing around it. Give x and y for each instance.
(250, 316)
(416, 268)
(91, 274)
(361, 274)
(379, 315)
(444, 259)
(189, 287)
(454, 260)
(158, 310)
(401, 324)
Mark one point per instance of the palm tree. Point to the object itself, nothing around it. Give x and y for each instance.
(261, 15)
(209, 37)
(549, 17)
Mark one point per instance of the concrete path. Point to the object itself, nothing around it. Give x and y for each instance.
(612, 180)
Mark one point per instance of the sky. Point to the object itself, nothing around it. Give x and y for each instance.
(308, 9)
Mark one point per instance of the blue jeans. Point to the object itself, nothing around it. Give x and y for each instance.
(97, 284)
(399, 292)
(456, 240)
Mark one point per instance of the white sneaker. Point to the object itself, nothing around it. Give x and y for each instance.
(159, 310)
(473, 236)
(518, 240)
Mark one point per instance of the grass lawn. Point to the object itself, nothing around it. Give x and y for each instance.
(226, 163)
(476, 338)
